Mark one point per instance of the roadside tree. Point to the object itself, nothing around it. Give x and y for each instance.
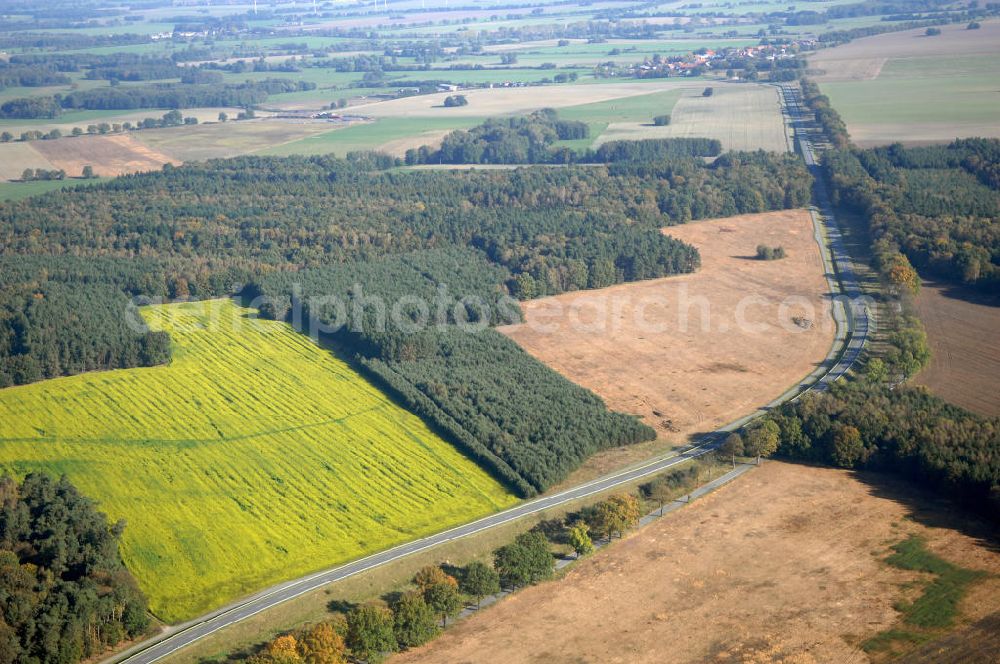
(762, 440)
(579, 539)
(479, 580)
(370, 632)
(414, 620)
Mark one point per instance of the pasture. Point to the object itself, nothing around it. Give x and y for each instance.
(741, 116)
(915, 89)
(254, 457)
(962, 329)
(692, 352)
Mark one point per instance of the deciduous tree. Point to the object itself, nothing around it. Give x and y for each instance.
(479, 580)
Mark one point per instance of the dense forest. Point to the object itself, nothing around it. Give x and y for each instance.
(66, 594)
(940, 205)
(534, 138)
(289, 230)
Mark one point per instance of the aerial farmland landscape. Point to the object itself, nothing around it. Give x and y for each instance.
(466, 331)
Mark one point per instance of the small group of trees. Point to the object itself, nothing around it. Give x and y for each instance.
(612, 516)
(766, 253)
(33, 174)
(761, 439)
(661, 120)
(452, 101)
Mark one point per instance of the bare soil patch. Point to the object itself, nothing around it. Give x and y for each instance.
(109, 155)
(498, 101)
(862, 59)
(692, 352)
(964, 333)
(784, 565)
(742, 117)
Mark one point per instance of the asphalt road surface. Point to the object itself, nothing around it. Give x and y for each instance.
(852, 319)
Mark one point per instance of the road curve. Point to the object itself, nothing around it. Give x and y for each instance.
(852, 322)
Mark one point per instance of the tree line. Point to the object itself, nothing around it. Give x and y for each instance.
(66, 595)
(398, 621)
(164, 95)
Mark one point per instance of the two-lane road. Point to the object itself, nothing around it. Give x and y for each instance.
(851, 318)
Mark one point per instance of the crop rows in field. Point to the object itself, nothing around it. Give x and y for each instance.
(256, 456)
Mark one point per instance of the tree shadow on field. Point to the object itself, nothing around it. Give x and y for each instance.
(932, 510)
(391, 597)
(962, 293)
(340, 606)
(452, 570)
(554, 530)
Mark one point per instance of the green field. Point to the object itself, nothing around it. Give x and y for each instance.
(15, 191)
(920, 90)
(254, 457)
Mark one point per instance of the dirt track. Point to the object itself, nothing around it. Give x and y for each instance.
(692, 352)
(784, 565)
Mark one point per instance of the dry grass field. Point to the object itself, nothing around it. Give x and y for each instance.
(109, 155)
(742, 116)
(692, 352)
(784, 565)
(15, 157)
(964, 333)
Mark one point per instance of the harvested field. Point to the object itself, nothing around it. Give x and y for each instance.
(692, 352)
(964, 333)
(743, 117)
(109, 155)
(499, 101)
(909, 88)
(399, 146)
(784, 565)
(15, 157)
(862, 59)
(229, 139)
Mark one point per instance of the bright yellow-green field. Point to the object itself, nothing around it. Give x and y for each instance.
(254, 457)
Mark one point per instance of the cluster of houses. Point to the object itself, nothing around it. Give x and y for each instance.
(695, 64)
